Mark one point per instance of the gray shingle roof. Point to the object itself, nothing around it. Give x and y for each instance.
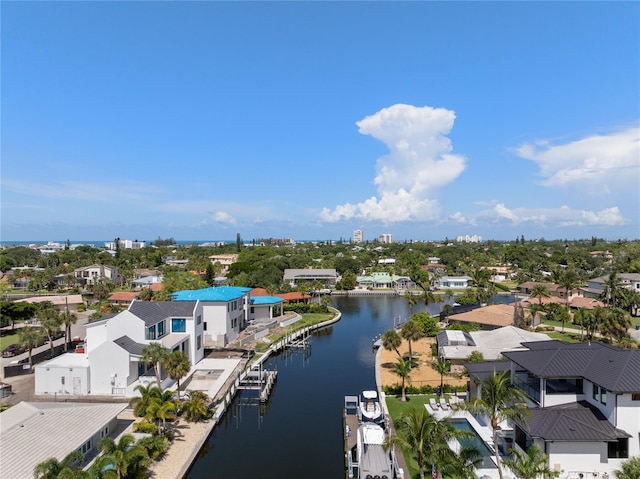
(129, 345)
(617, 370)
(572, 422)
(151, 312)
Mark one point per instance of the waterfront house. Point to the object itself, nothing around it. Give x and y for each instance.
(109, 363)
(225, 310)
(584, 400)
(453, 282)
(294, 277)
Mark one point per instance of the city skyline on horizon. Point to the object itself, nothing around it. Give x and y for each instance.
(315, 119)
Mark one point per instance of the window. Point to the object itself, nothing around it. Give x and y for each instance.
(596, 392)
(199, 319)
(178, 325)
(161, 331)
(234, 323)
(619, 449)
(199, 342)
(252, 310)
(205, 326)
(151, 332)
(603, 396)
(635, 397)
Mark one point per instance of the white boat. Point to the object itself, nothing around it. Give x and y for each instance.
(365, 454)
(370, 407)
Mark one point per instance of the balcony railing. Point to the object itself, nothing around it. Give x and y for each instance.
(529, 384)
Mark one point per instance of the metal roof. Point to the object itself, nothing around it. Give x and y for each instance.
(129, 345)
(217, 293)
(572, 422)
(152, 312)
(31, 433)
(260, 300)
(617, 370)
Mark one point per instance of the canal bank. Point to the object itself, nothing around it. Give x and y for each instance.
(192, 437)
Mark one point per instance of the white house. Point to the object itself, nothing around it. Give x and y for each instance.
(110, 363)
(453, 282)
(328, 277)
(88, 275)
(225, 311)
(32, 432)
(584, 400)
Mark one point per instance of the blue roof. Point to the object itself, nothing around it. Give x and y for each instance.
(219, 293)
(258, 300)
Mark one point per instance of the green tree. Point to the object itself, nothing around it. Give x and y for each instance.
(411, 331)
(155, 354)
(129, 459)
(67, 319)
(475, 357)
(531, 464)
(499, 401)
(630, 469)
(50, 320)
(391, 341)
(210, 275)
(569, 280)
(54, 469)
(442, 367)
(177, 365)
(16, 312)
(196, 407)
(540, 291)
(403, 370)
(29, 338)
(142, 402)
(615, 323)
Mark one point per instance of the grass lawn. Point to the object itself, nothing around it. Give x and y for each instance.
(396, 409)
(7, 340)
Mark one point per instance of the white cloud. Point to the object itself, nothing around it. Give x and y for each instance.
(458, 217)
(419, 162)
(596, 163)
(222, 217)
(563, 216)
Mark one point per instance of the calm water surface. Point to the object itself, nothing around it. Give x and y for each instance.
(299, 432)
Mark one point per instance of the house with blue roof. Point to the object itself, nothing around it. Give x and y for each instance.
(227, 310)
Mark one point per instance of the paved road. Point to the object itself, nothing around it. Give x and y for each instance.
(77, 329)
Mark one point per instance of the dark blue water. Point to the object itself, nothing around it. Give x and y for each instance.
(299, 432)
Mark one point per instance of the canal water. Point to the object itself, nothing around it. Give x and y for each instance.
(298, 433)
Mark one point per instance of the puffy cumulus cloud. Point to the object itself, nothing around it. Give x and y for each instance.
(222, 217)
(601, 161)
(458, 217)
(419, 162)
(562, 217)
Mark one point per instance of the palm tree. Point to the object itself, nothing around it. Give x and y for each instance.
(411, 331)
(391, 341)
(421, 435)
(540, 291)
(161, 409)
(530, 464)
(442, 367)
(616, 323)
(534, 309)
(177, 365)
(569, 280)
(52, 468)
(68, 319)
(29, 338)
(155, 355)
(447, 309)
(630, 469)
(612, 288)
(50, 320)
(499, 401)
(403, 369)
(126, 456)
(147, 394)
(196, 407)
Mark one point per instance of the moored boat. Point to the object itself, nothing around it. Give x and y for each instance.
(365, 454)
(370, 407)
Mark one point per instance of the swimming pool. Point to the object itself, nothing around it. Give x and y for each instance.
(475, 441)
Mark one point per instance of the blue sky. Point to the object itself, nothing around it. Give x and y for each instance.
(308, 120)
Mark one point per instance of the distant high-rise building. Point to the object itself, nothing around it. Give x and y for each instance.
(386, 238)
(469, 239)
(358, 236)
